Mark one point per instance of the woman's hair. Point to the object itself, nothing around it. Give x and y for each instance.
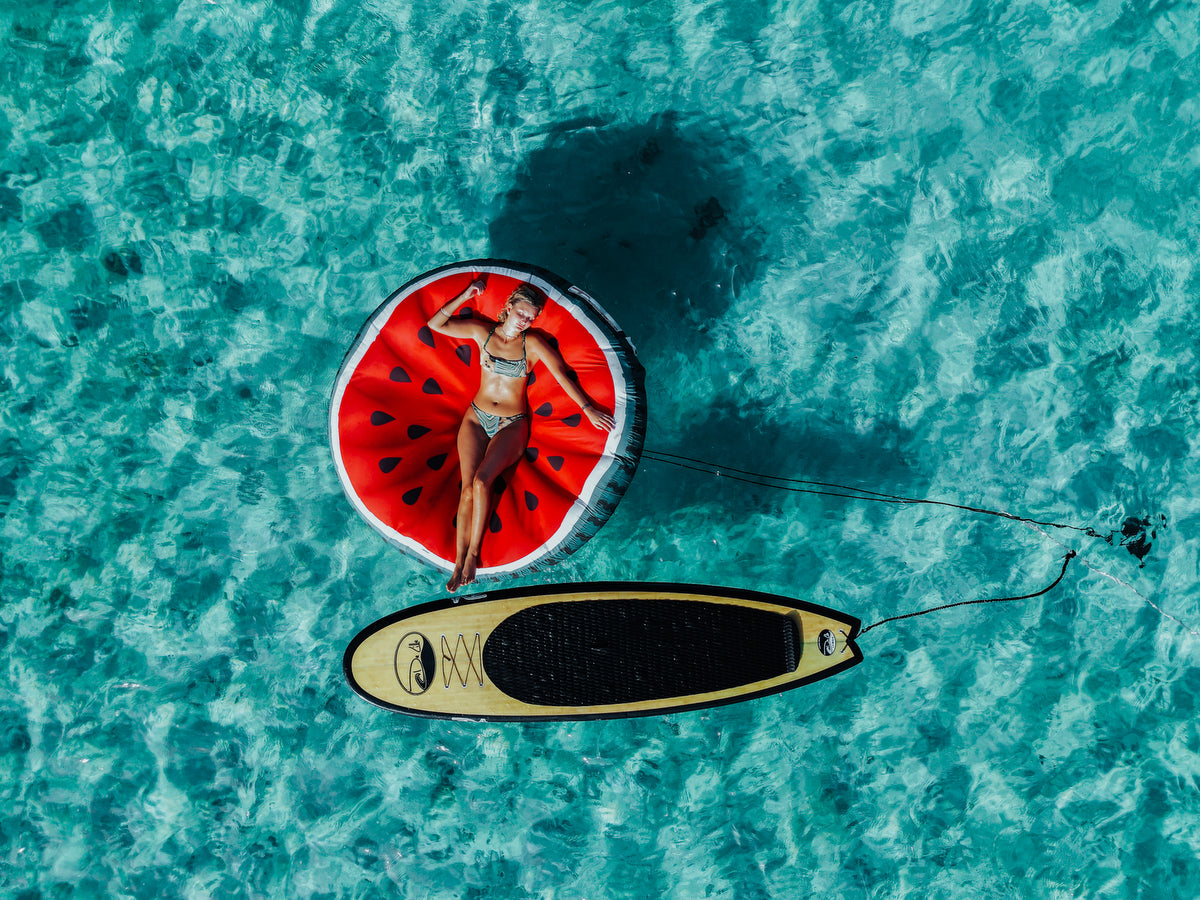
(529, 294)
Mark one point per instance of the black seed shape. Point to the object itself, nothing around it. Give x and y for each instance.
(495, 525)
(436, 462)
(463, 352)
(454, 521)
(416, 431)
(532, 379)
(556, 462)
(466, 312)
(499, 485)
(425, 336)
(572, 374)
(531, 501)
(531, 454)
(573, 421)
(410, 497)
(388, 463)
(431, 387)
(544, 410)
(553, 341)
(399, 375)
(381, 418)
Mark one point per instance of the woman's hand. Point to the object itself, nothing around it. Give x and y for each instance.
(599, 418)
(443, 322)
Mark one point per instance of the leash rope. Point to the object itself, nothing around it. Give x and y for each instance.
(833, 489)
(924, 612)
(841, 490)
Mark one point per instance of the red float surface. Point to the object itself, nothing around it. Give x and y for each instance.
(398, 409)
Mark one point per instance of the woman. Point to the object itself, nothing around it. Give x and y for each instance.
(495, 428)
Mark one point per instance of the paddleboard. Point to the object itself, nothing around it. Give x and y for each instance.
(594, 651)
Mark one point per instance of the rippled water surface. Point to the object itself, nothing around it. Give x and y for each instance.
(930, 249)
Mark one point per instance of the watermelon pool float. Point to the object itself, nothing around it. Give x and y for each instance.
(400, 397)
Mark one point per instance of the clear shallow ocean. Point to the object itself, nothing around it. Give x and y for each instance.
(934, 249)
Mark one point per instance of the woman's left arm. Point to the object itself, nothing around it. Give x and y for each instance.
(552, 359)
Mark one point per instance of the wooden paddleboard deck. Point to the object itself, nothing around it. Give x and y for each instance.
(596, 650)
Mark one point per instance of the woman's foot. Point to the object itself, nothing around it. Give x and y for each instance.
(470, 564)
(456, 580)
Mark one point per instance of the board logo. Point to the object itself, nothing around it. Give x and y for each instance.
(827, 642)
(416, 663)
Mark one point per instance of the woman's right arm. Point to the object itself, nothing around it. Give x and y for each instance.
(441, 322)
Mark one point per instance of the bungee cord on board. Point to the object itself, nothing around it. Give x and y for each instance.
(1135, 534)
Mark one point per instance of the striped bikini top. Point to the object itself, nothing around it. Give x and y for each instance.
(499, 365)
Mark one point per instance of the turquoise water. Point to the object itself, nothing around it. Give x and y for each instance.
(934, 249)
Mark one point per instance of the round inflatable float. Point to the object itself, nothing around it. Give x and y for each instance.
(401, 394)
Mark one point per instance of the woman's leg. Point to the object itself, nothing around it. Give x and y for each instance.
(503, 451)
(472, 444)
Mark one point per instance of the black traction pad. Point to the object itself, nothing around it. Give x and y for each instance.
(600, 652)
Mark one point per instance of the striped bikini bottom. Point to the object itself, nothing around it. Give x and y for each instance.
(493, 424)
